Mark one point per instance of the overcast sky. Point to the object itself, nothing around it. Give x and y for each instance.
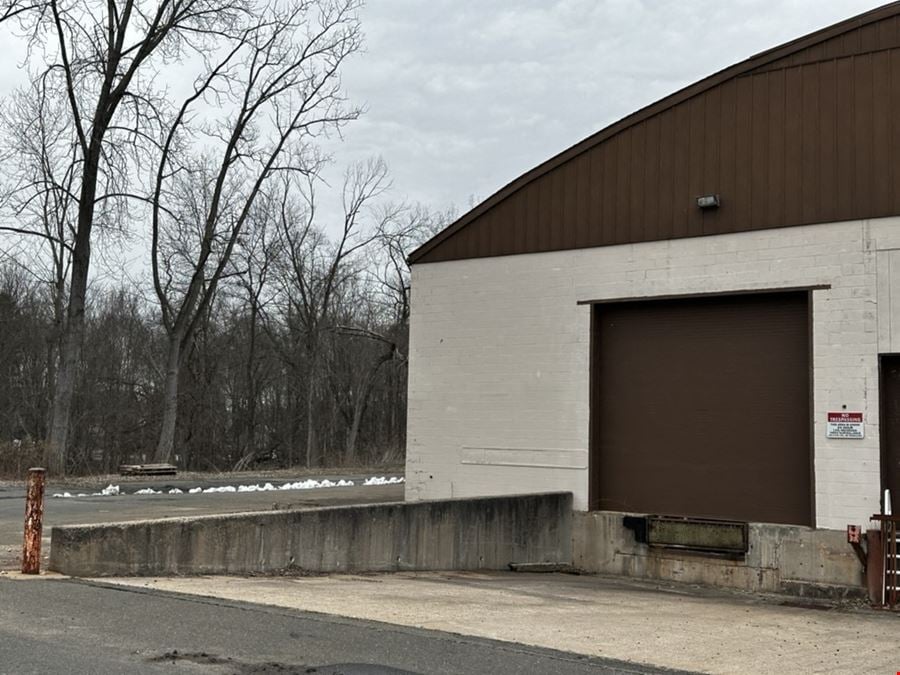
(463, 96)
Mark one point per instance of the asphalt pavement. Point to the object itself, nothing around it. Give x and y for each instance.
(658, 624)
(68, 626)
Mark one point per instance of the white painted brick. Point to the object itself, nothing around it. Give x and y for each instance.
(499, 353)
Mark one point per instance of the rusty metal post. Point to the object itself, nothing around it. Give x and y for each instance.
(875, 566)
(34, 522)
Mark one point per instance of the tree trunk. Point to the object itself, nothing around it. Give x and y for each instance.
(165, 447)
(57, 442)
(54, 347)
(70, 355)
(359, 409)
(250, 443)
(310, 416)
(353, 434)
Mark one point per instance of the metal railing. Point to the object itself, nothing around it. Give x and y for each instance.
(890, 582)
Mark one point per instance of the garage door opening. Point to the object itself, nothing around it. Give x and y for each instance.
(701, 407)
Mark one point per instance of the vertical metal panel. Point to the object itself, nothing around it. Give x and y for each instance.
(650, 181)
(582, 200)
(882, 179)
(543, 206)
(700, 407)
(636, 220)
(623, 187)
(727, 158)
(793, 146)
(696, 140)
(889, 33)
(710, 181)
(820, 170)
(666, 183)
(759, 154)
(742, 211)
(598, 180)
(569, 229)
(610, 177)
(832, 49)
(862, 136)
(482, 235)
(556, 216)
(895, 128)
(845, 143)
(775, 141)
(868, 37)
(850, 43)
(532, 224)
(681, 194)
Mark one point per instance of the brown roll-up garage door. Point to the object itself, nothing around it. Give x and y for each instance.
(701, 407)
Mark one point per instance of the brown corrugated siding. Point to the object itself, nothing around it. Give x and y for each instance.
(806, 138)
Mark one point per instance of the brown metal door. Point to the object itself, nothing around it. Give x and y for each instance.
(701, 407)
(890, 427)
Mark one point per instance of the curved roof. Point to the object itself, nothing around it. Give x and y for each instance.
(803, 133)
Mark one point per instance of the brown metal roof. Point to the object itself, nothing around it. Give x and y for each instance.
(804, 133)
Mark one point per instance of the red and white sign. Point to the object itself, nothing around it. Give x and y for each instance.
(845, 425)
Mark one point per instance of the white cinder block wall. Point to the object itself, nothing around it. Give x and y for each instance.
(500, 367)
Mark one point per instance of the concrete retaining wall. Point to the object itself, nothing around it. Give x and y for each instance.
(782, 559)
(461, 534)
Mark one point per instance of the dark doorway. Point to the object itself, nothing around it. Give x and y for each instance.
(701, 407)
(890, 427)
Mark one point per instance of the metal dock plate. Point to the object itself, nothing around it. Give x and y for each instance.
(698, 534)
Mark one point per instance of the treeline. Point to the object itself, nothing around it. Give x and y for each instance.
(259, 327)
(268, 379)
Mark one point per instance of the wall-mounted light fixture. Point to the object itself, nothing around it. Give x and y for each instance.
(709, 201)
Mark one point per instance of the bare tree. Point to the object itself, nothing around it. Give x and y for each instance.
(278, 83)
(385, 327)
(255, 257)
(38, 167)
(104, 57)
(398, 237)
(314, 271)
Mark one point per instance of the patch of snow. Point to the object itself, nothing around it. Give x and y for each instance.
(108, 491)
(381, 480)
(221, 488)
(313, 484)
(308, 484)
(268, 487)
